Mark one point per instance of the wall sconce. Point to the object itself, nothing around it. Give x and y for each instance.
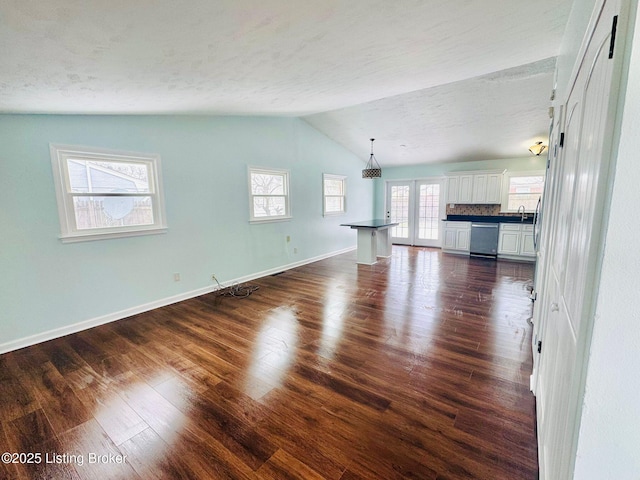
(372, 170)
(537, 149)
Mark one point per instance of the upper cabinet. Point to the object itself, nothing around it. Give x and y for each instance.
(474, 187)
(465, 192)
(459, 188)
(479, 189)
(451, 184)
(494, 188)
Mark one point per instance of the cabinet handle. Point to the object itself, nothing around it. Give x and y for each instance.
(554, 307)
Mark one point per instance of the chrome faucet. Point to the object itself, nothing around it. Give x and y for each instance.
(523, 215)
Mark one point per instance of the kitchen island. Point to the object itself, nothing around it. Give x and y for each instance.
(373, 239)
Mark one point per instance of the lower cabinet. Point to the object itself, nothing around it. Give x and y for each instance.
(516, 242)
(509, 239)
(527, 248)
(456, 237)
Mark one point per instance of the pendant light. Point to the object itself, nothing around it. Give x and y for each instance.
(372, 170)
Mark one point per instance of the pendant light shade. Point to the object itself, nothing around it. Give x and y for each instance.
(537, 149)
(372, 170)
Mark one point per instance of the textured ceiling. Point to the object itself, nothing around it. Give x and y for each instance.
(455, 80)
(498, 115)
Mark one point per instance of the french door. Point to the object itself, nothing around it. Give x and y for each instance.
(418, 206)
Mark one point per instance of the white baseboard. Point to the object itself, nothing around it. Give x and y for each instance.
(111, 317)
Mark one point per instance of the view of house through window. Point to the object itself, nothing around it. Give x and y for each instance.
(104, 192)
(524, 190)
(126, 180)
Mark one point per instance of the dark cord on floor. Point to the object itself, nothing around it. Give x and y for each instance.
(235, 290)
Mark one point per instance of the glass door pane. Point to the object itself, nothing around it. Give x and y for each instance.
(429, 211)
(399, 211)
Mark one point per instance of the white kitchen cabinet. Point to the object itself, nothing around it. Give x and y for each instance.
(479, 189)
(474, 188)
(452, 188)
(456, 237)
(494, 188)
(465, 189)
(526, 246)
(516, 241)
(509, 239)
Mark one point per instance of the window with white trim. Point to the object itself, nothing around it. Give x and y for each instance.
(268, 195)
(522, 188)
(334, 193)
(107, 193)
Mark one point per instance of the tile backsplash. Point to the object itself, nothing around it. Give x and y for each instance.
(480, 209)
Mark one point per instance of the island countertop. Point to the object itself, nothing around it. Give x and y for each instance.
(376, 223)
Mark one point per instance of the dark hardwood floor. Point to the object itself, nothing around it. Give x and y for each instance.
(416, 367)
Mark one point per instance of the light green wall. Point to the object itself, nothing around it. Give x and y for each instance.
(48, 285)
(411, 172)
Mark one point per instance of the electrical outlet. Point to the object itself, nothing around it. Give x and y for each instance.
(176, 277)
(295, 250)
(288, 238)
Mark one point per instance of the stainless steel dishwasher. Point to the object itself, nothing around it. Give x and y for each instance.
(484, 239)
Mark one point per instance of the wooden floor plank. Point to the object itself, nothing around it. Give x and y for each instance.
(415, 367)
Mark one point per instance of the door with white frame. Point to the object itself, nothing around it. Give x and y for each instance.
(565, 307)
(418, 206)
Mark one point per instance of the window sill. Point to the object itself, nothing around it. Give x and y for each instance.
(270, 220)
(88, 237)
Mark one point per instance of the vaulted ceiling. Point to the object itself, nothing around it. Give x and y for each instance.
(431, 80)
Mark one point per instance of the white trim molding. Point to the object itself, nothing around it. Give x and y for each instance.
(112, 317)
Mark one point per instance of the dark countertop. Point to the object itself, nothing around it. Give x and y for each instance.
(490, 219)
(377, 223)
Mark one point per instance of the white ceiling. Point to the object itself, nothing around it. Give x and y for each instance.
(449, 80)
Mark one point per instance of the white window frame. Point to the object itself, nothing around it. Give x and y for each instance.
(287, 195)
(65, 197)
(343, 179)
(507, 182)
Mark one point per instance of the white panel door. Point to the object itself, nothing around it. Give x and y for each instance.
(545, 223)
(566, 307)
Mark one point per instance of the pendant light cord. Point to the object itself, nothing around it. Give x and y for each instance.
(372, 157)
